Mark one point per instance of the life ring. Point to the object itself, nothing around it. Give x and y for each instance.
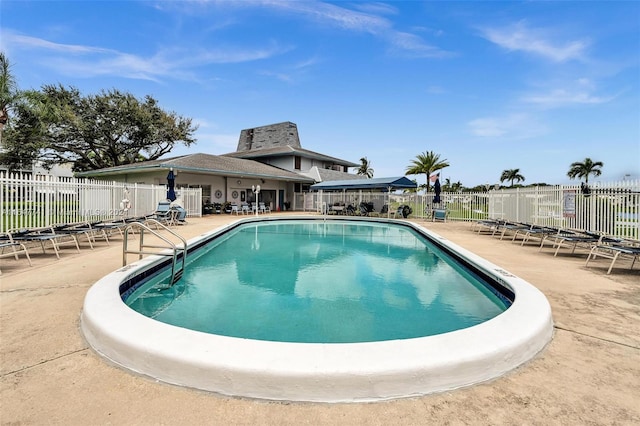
(125, 204)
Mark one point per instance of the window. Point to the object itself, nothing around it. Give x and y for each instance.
(297, 162)
(301, 187)
(206, 191)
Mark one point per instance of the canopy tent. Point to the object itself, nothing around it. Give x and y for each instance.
(385, 184)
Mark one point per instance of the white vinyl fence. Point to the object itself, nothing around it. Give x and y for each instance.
(28, 201)
(612, 208)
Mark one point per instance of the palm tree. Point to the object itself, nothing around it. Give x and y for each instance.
(446, 186)
(8, 91)
(427, 163)
(413, 190)
(584, 169)
(511, 175)
(365, 168)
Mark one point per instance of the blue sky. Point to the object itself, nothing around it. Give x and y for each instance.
(487, 85)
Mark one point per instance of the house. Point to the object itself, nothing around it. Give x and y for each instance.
(279, 145)
(270, 156)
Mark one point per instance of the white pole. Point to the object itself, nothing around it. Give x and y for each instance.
(256, 190)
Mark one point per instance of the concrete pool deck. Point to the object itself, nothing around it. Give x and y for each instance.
(587, 375)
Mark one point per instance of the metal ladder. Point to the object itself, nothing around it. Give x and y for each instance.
(176, 274)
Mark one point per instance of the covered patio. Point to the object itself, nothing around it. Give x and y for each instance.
(346, 196)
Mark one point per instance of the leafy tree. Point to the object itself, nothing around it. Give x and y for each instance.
(511, 175)
(584, 169)
(9, 93)
(365, 168)
(97, 131)
(23, 136)
(427, 163)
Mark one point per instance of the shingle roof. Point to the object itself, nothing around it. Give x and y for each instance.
(205, 163)
(328, 174)
(288, 151)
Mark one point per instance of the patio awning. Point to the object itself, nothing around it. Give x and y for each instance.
(375, 183)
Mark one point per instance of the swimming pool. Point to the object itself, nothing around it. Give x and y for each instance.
(329, 372)
(331, 282)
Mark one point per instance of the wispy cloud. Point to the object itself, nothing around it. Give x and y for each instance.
(415, 46)
(369, 18)
(177, 63)
(563, 97)
(292, 73)
(515, 126)
(28, 42)
(578, 92)
(307, 63)
(376, 8)
(287, 78)
(540, 42)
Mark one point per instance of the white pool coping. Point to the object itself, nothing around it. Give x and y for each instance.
(317, 372)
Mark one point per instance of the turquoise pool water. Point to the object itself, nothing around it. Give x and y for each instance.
(320, 282)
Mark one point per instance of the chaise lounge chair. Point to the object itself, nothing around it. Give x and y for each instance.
(75, 230)
(14, 247)
(614, 249)
(533, 232)
(573, 239)
(41, 235)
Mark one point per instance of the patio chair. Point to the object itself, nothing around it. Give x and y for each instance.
(109, 227)
(439, 214)
(15, 248)
(263, 208)
(534, 231)
(383, 211)
(614, 249)
(244, 208)
(162, 213)
(488, 225)
(234, 209)
(75, 230)
(506, 227)
(178, 216)
(366, 208)
(403, 212)
(40, 235)
(574, 239)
